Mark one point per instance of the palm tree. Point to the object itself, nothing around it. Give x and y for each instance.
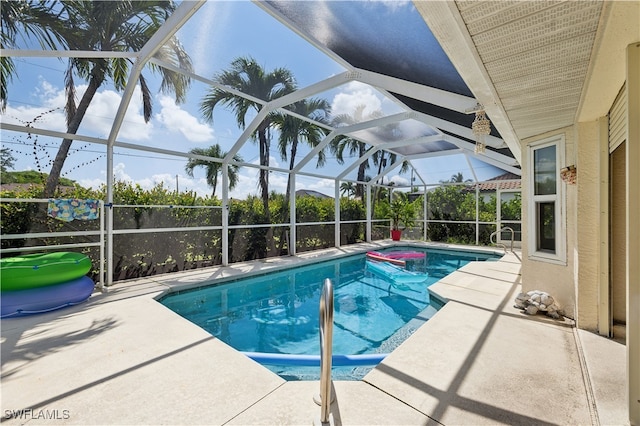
(213, 168)
(293, 131)
(457, 178)
(112, 26)
(348, 189)
(353, 146)
(246, 76)
(380, 159)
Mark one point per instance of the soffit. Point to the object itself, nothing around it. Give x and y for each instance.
(620, 26)
(536, 55)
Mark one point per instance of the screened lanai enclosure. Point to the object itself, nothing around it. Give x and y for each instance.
(235, 131)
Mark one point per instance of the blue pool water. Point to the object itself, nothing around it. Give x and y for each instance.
(277, 312)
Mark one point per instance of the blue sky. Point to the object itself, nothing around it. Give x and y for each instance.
(217, 34)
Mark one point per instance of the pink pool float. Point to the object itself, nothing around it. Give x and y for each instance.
(395, 257)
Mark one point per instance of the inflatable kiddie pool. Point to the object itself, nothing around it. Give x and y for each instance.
(45, 299)
(37, 283)
(42, 269)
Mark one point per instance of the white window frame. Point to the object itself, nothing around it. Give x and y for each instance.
(560, 225)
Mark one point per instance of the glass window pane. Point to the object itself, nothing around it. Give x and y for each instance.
(544, 169)
(505, 236)
(545, 217)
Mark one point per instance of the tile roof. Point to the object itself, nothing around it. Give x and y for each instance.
(504, 181)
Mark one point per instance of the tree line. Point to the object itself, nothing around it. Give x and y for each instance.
(149, 253)
(142, 254)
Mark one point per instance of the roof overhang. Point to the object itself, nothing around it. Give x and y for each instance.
(528, 62)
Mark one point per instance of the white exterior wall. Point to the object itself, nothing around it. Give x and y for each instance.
(575, 285)
(633, 230)
(588, 223)
(557, 280)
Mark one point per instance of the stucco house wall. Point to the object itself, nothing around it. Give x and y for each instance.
(557, 280)
(589, 222)
(577, 285)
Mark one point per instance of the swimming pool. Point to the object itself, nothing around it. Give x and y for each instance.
(277, 312)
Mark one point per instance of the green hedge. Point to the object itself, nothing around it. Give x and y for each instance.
(144, 254)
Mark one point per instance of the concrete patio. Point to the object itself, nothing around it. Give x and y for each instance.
(123, 358)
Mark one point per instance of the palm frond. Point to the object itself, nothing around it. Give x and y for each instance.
(7, 68)
(119, 71)
(147, 106)
(172, 82)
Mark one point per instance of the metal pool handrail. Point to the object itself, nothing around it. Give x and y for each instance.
(326, 349)
(506, 228)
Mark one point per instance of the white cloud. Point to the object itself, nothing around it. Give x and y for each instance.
(118, 173)
(247, 182)
(399, 180)
(50, 95)
(353, 95)
(247, 185)
(414, 129)
(22, 115)
(197, 185)
(98, 119)
(326, 186)
(102, 112)
(92, 183)
(176, 119)
(50, 112)
(273, 162)
(393, 5)
(185, 183)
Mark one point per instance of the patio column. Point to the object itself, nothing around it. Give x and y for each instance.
(477, 213)
(337, 213)
(426, 212)
(109, 215)
(225, 214)
(604, 298)
(292, 215)
(369, 214)
(633, 230)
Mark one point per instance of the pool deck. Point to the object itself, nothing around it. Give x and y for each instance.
(123, 358)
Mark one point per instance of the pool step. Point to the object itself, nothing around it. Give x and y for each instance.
(406, 330)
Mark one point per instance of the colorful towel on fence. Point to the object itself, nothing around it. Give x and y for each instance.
(70, 209)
